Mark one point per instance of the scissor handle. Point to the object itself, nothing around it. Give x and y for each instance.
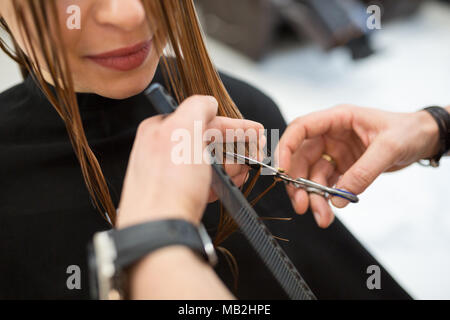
(334, 192)
(311, 186)
(344, 194)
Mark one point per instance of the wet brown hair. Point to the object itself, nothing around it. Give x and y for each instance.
(179, 39)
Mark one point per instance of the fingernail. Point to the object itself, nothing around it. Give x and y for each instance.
(262, 141)
(213, 100)
(317, 217)
(339, 202)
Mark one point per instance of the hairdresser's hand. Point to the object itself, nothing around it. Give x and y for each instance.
(363, 142)
(244, 133)
(155, 187)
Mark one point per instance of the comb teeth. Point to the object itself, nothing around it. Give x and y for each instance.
(259, 237)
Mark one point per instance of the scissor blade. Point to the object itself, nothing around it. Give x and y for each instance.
(250, 161)
(308, 185)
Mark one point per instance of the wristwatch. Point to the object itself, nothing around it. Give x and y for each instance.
(111, 252)
(442, 118)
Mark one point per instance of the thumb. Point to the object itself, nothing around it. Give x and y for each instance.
(379, 156)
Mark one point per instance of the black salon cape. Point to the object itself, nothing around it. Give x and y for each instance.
(47, 218)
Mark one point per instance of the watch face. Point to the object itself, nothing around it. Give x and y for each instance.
(93, 276)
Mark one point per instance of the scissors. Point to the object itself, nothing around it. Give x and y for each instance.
(309, 186)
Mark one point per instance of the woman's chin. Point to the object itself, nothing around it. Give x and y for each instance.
(123, 89)
(121, 92)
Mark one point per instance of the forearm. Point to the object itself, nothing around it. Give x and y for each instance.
(175, 273)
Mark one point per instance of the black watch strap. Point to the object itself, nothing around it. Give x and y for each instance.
(442, 118)
(135, 242)
(112, 251)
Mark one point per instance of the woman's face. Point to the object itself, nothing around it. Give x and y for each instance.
(108, 42)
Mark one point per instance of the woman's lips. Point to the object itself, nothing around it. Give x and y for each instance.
(124, 59)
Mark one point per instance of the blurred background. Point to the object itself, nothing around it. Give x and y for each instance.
(310, 55)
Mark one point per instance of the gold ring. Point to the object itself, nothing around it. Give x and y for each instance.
(329, 158)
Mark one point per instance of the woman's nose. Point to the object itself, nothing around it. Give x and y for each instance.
(123, 14)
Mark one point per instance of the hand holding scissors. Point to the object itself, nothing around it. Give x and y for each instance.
(350, 147)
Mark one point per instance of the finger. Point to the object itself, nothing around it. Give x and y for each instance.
(340, 152)
(224, 123)
(149, 124)
(321, 210)
(321, 173)
(239, 180)
(334, 178)
(307, 127)
(298, 196)
(261, 154)
(232, 131)
(252, 150)
(235, 169)
(379, 156)
(193, 115)
(195, 108)
(299, 199)
(302, 160)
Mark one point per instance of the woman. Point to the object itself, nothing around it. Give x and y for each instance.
(49, 211)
